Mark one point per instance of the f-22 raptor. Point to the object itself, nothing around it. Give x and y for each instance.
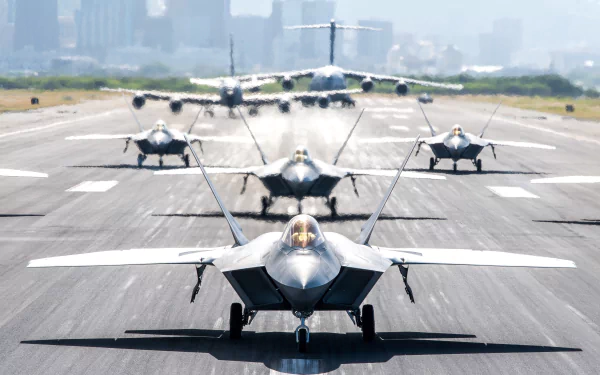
(301, 176)
(302, 269)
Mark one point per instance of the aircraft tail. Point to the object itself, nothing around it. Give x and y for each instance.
(367, 229)
(490, 120)
(337, 156)
(332, 26)
(236, 229)
(231, 61)
(427, 120)
(262, 154)
(133, 114)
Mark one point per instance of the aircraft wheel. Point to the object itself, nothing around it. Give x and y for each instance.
(368, 323)
(479, 165)
(253, 111)
(186, 160)
(161, 162)
(140, 160)
(236, 321)
(333, 206)
(265, 205)
(302, 341)
(431, 164)
(455, 167)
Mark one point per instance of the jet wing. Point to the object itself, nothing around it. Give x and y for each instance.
(134, 257)
(392, 173)
(469, 258)
(359, 76)
(272, 99)
(210, 170)
(210, 82)
(17, 173)
(296, 74)
(99, 137)
(395, 140)
(255, 83)
(168, 96)
(520, 144)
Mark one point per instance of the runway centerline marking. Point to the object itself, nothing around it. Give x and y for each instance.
(389, 110)
(511, 192)
(54, 124)
(93, 186)
(399, 127)
(567, 180)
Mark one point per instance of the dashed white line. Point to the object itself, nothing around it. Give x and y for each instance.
(511, 192)
(93, 186)
(399, 127)
(568, 180)
(17, 173)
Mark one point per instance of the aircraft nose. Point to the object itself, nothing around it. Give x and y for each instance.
(455, 142)
(303, 267)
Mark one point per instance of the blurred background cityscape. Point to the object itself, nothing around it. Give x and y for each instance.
(158, 38)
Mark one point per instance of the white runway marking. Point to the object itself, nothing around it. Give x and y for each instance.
(568, 180)
(426, 129)
(93, 186)
(380, 117)
(389, 110)
(399, 127)
(54, 124)
(401, 117)
(386, 140)
(511, 192)
(16, 173)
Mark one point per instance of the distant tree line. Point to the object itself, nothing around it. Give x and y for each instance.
(550, 85)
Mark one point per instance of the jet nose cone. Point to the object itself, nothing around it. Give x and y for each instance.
(303, 266)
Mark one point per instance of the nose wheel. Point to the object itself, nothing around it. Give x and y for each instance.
(302, 331)
(455, 167)
(161, 163)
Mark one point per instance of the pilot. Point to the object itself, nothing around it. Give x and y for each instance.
(301, 155)
(303, 232)
(457, 130)
(160, 126)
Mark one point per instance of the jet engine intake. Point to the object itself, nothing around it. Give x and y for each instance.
(367, 84)
(401, 88)
(287, 83)
(324, 101)
(284, 106)
(176, 106)
(138, 101)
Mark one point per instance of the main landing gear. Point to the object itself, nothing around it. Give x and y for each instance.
(238, 319)
(253, 111)
(140, 160)
(433, 162)
(478, 164)
(332, 204)
(266, 204)
(231, 113)
(209, 111)
(347, 103)
(365, 321)
(186, 160)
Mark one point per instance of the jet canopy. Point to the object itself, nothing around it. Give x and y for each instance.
(160, 126)
(302, 232)
(457, 130)
(301, 155)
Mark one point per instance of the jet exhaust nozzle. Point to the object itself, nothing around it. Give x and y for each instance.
(401, 88)
(138, 101)
(176, 106)
(367, 84)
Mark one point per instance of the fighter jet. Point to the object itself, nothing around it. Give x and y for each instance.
(231, 95)
(301, 176)
(159, 140)
(458, 145)
(302, 269)
(332, 77)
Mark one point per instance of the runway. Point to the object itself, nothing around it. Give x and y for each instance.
(133, 320)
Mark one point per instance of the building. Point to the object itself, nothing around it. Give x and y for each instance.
(36, 25)
(372, 47)
(314, 44)
(106, 24)
(200, 23)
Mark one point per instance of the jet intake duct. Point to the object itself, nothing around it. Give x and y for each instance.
(138, 101)
(284, 106)
(287, 83)
(367, 84)
(176, 106)
(324, 101)
(401, 88)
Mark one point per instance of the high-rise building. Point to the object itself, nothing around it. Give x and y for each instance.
(36, 25)
(105, 24)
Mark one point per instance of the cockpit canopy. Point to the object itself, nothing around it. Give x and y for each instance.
(301, 155)
(457, 130)
(303, 232)
(160, 126)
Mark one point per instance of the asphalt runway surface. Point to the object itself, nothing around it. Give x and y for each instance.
(132, 320)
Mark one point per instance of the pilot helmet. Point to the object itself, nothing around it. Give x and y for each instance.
(301, 155)
(457, 130)
(303, 232)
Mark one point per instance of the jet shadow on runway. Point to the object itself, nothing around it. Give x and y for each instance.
(575, 222)
(284, 218)
(21, 215)
(129, 166)
(328, 350)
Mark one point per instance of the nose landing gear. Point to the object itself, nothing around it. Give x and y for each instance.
(302, 331)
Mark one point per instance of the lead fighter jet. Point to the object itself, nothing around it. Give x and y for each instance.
(159, 141)
(458, 145)
(301, 176)
(302, 269)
